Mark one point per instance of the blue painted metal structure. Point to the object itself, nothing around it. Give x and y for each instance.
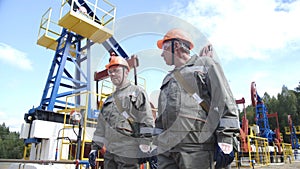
(261, 116)
(263, 122)
(61, 82)
(59, 72)
(111, 45)
(294, 139)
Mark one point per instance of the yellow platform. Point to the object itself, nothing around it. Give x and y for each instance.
(51, 43)
(84, 26)
(47, 41)
(288, 131)
(48, 31)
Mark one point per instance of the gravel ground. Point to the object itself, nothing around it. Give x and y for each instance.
(294, 164)
(4, 165)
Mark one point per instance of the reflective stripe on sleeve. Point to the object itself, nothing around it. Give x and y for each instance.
(150, 130)
(229, 123)
(146, 130)
(157, 131)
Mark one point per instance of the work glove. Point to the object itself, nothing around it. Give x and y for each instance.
(153, 159)
(144, 153)
(207, 51)
(92, 157)
(224, 155)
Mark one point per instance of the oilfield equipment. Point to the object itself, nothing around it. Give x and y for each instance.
(259, 145)
(62, 126)
(293, 131)
(60, 129)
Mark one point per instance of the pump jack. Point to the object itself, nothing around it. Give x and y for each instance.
(70, 72)
(244, 128)
(262, 119)
(294, 139)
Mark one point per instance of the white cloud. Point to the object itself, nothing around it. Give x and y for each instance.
(253, 37)
(243, 29)
(14, 123)
(14, 57)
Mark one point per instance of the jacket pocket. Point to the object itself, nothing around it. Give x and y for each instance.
(124, 127)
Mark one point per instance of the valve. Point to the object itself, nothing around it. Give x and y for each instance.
(75, 116)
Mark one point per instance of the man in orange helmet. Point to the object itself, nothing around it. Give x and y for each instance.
(124, 115)
(196, 109)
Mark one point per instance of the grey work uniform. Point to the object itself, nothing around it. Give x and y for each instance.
(114, 130)
(187, 141)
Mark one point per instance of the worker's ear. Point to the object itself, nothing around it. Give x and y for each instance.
(126, 71)
(176, 45)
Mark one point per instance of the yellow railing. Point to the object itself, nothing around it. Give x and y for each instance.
(25, 152)
(106, 89)
(92, 20)
(297, 128)
(287, 151)
(288, 130)
(82, 104)
(49, 31)
(69, 147)
(258, 154)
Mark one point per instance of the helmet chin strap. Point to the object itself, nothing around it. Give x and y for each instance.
(173, 51)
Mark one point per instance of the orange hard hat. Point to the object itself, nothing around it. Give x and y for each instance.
(176, 34)
(117, 60)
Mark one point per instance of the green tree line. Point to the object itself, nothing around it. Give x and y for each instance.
(11, 146)
(285, 103)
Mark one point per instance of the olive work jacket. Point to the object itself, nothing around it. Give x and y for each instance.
(184, 123)
(113, 129)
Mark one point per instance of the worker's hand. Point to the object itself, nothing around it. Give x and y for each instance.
(224, 155)
(103, 150)
(153, 158)
(153, 162)
(92, 157)
(207, 51)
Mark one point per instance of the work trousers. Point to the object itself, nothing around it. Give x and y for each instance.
(186, 160)
(112, 161)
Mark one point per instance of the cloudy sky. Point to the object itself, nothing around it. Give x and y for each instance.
(254, 40)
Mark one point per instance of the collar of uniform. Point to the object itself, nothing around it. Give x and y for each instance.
(192, 61)
(123, 87)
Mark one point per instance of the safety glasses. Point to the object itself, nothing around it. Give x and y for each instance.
(114, 70)
(166, 45)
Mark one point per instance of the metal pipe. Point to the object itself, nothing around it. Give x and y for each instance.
(78, 142)
(41, 161)
(46, 162)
